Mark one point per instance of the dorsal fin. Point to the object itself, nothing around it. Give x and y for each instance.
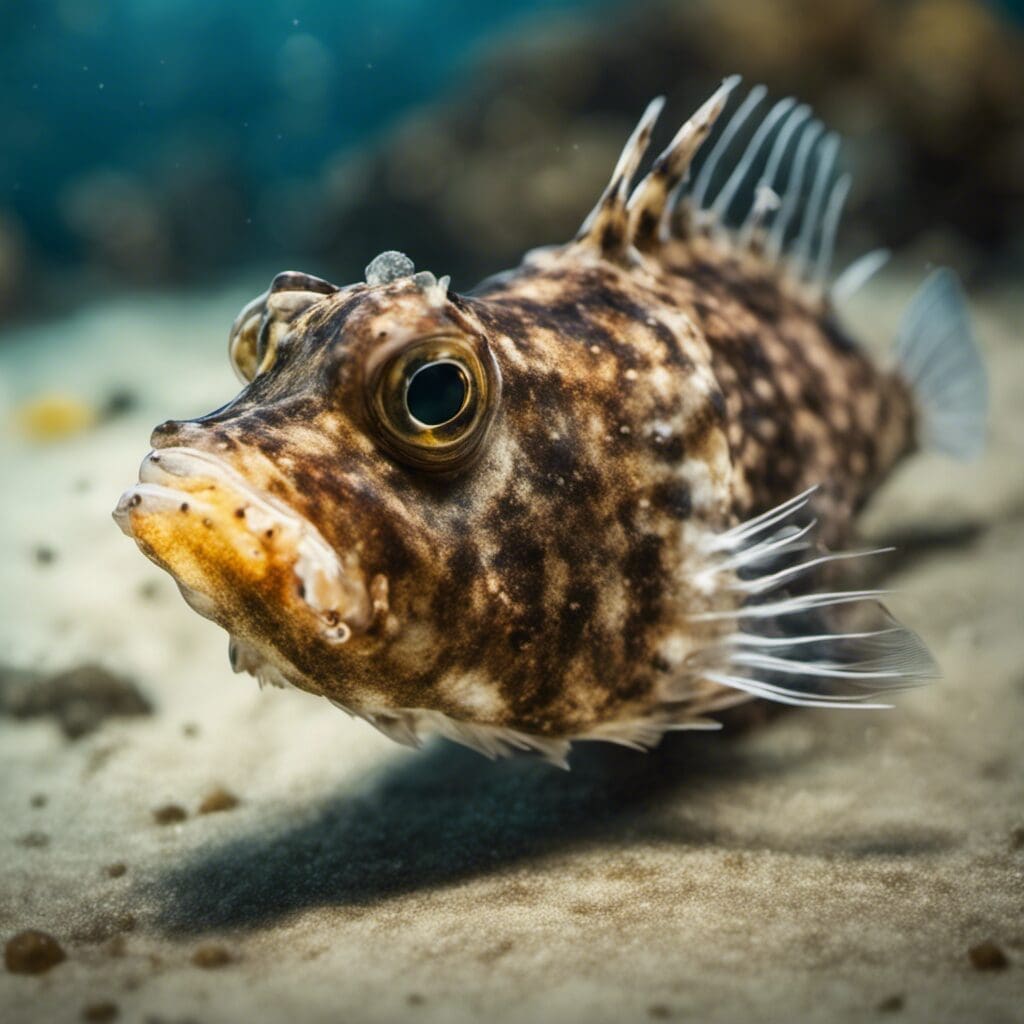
(650, 202)
(768, 184)
(606, 227)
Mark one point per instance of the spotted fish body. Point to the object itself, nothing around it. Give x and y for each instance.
(612, 535)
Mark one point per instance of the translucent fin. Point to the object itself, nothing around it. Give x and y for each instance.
(939, 358)
(858, 273)
(408, 726)
(727, 193)
(793, 192)
(829, 228)
(732, 127)
(827, 154)
(784, 144)
(645, 733)
(792, 642)
(768, 183)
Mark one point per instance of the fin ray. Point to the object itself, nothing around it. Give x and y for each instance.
(940, 361)
(815, 648)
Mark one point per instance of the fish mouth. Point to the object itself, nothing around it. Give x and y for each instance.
(221, 538)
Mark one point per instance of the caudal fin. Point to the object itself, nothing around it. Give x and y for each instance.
(939, 358)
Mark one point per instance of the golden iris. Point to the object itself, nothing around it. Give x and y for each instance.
(433, 400)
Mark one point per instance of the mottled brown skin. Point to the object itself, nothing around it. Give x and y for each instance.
(804, 404)
(644, 402)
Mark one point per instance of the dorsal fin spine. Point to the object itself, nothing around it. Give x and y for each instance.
(829, 229)
(794, 186)
(815, 204)
(724, 141)
(792, 221)
(606, 225)
(720, 206)
(790, 128)
(652, 200)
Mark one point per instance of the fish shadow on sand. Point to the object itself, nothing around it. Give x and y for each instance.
(447, 815)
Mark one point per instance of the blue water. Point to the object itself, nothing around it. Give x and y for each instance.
(273, 87)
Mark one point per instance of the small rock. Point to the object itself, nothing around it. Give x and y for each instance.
(987, 956)
(79, 699)
(892, 1004)
(44, 554)
(169, 814)
(115, 870)
(212, 955)
(659, 1011)
(118, 403)
(218, 799)
(32, 952)
(1017, 838)
(38, 800)
(99, 1013)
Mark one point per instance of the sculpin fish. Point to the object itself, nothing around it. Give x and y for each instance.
(602, 495)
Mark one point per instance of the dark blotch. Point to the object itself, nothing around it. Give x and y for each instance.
(673, 497)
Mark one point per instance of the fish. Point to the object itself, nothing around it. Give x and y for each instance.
(603, 495)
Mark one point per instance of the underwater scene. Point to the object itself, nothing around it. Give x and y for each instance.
(512, 512)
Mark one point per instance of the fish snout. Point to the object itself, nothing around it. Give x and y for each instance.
(175, 434)
(219, 536)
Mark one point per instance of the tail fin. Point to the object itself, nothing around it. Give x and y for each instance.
(939, 358)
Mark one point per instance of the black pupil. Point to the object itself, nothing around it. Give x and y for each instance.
(436, 393)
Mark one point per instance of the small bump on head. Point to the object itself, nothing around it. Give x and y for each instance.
(389, 266)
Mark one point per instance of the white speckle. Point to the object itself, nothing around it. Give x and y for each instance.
(338, 634)
(624, 429)
(596, 349)
(630, 374)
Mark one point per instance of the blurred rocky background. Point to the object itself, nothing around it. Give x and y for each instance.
(148, 144)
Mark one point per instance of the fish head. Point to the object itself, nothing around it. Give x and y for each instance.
(313, 516)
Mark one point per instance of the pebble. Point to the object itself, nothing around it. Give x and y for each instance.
(211, 956)
(32, 952)
(99, 1013)
(218, 799)
(169, 814)
(987, 956)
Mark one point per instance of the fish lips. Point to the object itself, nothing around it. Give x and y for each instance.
(220, 538)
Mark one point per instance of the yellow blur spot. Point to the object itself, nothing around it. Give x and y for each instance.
(53, 417)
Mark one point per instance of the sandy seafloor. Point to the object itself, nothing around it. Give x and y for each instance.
(821, 867)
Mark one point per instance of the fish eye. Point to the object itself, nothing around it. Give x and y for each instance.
(432, 401)
(436, 392)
